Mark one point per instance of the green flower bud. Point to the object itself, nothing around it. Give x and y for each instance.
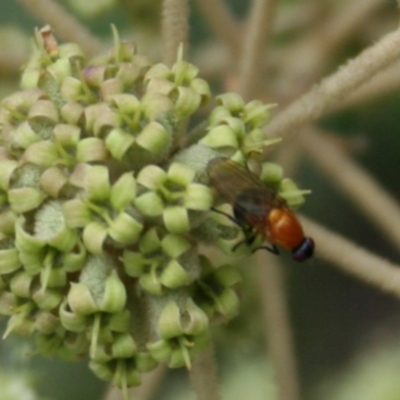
(9, 261)
(7, 167)
(111, 87)
(233, 102)
(91, 149)
(125, 102)
(150, 241)
(154, 105)
(8, 220)
(114, 297)
(151, 177)
(25, 199)
(145, 362)
(71, 89)
(94, 236)
(21, 284)
(180, 357)
(198, 197)
(174, 275)
(47, 299)
(160, 350)
(123, 346)
(24, 136)
(71, 321)
(101, 370)
(220, 136)
(291, 193)
(77, 343)
(125, 375)
(119, 322)
(151, 283)
(52, 181)
(256, 113)
(77, 214)
(59, 70)
(80, 300)
(124, 229)
(20, 323)
(150, 204)
(71, 112)
(118, 142)
(175, 245)
(227, 303)
(169, 324)
(74, 261)
(8, 303)
(154, 138)
(176, 219)
(123, 191)
(67, 135)
(44, 112)
(187, 102)
(46, 322)
(271, 173)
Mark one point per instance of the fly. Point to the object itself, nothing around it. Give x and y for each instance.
(258, 209)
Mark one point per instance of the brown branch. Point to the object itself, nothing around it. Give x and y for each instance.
(368, 196)
(222, 23)
(65, 25)
(336, 87)
(204, 375)
(259, 27)
(277, 326)
(306, 60)
(353, 259)
(175, 28)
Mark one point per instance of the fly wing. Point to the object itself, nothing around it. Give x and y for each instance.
(231, 179)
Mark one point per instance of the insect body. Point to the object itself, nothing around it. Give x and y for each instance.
(259, 208)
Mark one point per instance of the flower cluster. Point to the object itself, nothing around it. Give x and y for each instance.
(104, 197)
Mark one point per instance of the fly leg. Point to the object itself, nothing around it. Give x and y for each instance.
(273, 249)
(248, 231)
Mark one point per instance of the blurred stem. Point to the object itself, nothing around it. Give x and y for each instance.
(353, 259)
(277, 326)
(222, 23)
(367, 195)
(307, 59)
(66, 26)
(204, 375)
(175, 28)
(336, 87)
(259, 26)
(146, 391)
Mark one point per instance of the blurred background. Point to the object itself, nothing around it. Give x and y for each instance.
(346, 333)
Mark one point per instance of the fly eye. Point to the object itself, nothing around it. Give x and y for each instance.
(304, 251)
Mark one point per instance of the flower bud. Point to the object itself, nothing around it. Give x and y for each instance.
(114, 297)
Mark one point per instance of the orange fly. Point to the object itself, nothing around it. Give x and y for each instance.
(259, 209)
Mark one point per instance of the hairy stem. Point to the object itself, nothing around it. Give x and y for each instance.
(367, 195)
(353, 259)
(277, 326)
(175, 28)
(254, 47)
(222, 23)
(204, 375)
(336, 87)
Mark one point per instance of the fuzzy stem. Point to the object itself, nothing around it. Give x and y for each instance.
(336, 87)
(368, 196)
(254, 47)
(204, 375)
(353, 259)
(222, 23)
(66, 25)
(277, 326)
(175, 28)
(322, 44)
